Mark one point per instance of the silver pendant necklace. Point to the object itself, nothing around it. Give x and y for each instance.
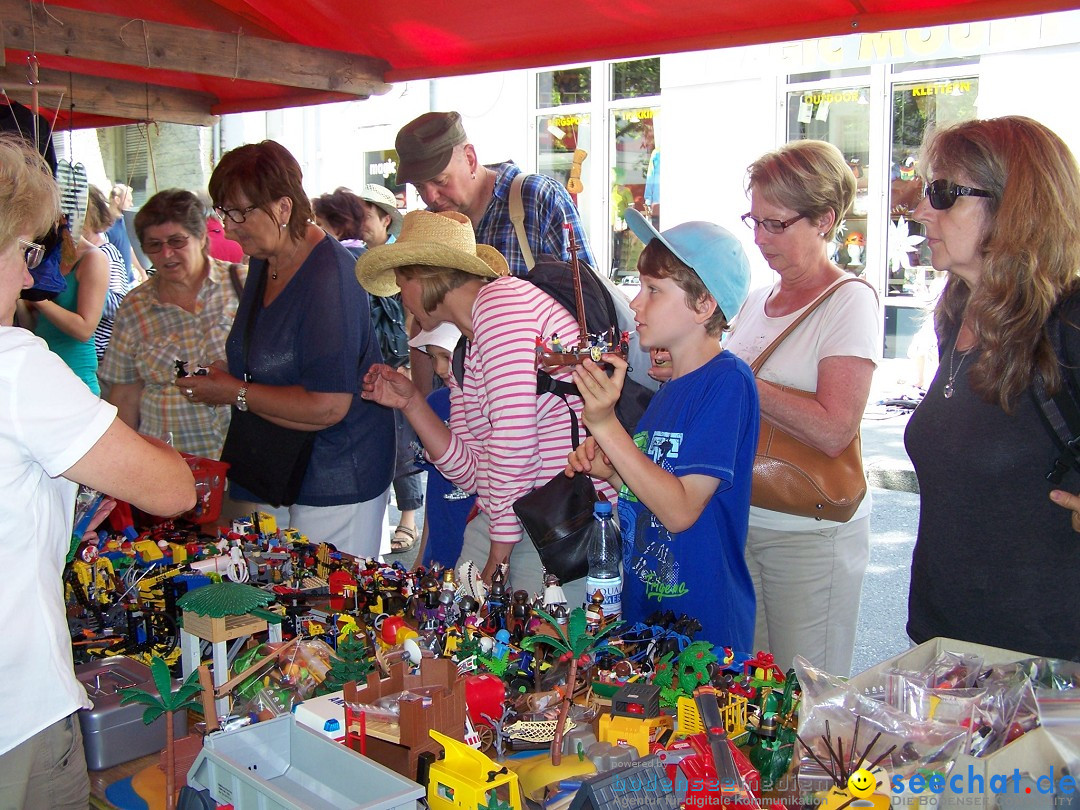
(950, 388)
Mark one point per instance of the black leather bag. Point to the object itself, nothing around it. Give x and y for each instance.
(268, 460)
(557, 517)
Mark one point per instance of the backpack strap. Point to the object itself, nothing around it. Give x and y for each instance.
(234, 277)
(517, 216)
(545, 384)
(1060, 413)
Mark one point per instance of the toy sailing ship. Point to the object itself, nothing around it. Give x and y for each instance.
(551, 354)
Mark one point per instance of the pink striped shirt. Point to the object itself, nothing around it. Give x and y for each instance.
(505, 440)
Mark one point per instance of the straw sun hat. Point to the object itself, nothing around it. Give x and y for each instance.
(445, 239)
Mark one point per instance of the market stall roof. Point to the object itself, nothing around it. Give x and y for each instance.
(106, 62)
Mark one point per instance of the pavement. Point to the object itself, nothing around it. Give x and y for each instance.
(894, 520)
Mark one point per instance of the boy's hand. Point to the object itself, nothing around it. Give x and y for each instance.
(589, 459)
(599, 391)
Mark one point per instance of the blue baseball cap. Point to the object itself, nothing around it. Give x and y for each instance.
(710, 251)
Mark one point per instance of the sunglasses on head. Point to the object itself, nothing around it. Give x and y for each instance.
(942, 194)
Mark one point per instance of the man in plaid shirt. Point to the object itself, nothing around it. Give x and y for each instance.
(435, 156)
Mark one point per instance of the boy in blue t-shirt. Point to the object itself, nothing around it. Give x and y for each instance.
(684, 476)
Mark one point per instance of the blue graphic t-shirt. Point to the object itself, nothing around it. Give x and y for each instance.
(705, 423)
(448, 507)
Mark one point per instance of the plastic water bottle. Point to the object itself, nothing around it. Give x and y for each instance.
(605, 558)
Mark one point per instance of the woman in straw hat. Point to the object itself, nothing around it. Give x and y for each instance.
(503, 440)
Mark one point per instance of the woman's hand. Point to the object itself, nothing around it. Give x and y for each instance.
(385, 386)
(216, 387)
(589, 459)
(599, 391)
(1068, 501)
(499, 554)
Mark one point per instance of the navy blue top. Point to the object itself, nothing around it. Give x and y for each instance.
(317, 334)
(704, 423)
(118, 236)
(448, 507)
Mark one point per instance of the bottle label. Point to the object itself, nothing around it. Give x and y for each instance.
(611, 588)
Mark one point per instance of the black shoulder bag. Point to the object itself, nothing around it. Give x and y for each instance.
(1060, 413)
(268, 460)
(556, 516)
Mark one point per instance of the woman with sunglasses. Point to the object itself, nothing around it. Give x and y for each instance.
(995, 549)
(300, 346)
(181, 315)
(807, 572)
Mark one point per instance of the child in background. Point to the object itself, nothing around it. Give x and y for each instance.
(448, 508)
(684, 476)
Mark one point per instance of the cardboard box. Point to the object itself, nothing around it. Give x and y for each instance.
(1033, 753)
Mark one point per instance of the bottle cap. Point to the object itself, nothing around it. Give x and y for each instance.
(602, 508)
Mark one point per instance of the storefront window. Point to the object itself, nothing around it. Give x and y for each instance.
(840, 116)
(554, 88)
(558, 138)
(635, 182)
(635, 79)
(916, 108)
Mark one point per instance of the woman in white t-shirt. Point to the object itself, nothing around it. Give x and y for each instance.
(54, 435)
(807, 572)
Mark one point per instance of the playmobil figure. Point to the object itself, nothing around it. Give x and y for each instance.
(685, 473)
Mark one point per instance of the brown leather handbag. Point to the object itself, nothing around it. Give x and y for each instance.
(793, 477)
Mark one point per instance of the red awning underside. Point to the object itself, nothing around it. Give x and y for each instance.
(432, 38)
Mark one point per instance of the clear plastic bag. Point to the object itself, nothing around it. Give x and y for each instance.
(887, 737)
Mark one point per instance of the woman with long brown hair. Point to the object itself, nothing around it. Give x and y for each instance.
(1002, 218)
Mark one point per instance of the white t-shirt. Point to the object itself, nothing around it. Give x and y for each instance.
(48, 421)
(846, 325)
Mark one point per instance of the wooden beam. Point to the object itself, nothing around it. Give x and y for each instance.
(158, 46)
(110, 97)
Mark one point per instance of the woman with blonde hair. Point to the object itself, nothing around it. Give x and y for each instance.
(1002, 218)
(807, 572)
(54, 435)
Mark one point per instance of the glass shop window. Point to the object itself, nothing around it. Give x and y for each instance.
(635, 183)
(840, 116)
(561, 143)
(555, 88)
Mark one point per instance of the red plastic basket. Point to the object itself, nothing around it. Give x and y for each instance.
(209, 488)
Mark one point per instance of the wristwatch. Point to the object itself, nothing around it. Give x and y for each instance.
(241, 399)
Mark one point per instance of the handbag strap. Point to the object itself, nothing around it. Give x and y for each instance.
(821, 299)
(249, 327)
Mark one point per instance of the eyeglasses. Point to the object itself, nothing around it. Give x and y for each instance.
(770, 225)
(177, 241)
(237, 215)
(33, 253)
(943, 193)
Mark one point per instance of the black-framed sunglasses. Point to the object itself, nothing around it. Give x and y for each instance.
(178, 241)
(942, 194)
(237, 215)
(33, 253)
(770, 225)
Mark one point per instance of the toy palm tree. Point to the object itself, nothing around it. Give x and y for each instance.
(166, 702)
(680, 676)
(575, 645)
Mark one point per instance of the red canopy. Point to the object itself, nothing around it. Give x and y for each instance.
(118, 61)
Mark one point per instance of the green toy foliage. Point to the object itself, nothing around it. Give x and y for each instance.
(349, 663)
(165, 700)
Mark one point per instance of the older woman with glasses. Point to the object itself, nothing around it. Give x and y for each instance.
(995, 550)
(176, 322)
(807, 572)
(300, 345)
